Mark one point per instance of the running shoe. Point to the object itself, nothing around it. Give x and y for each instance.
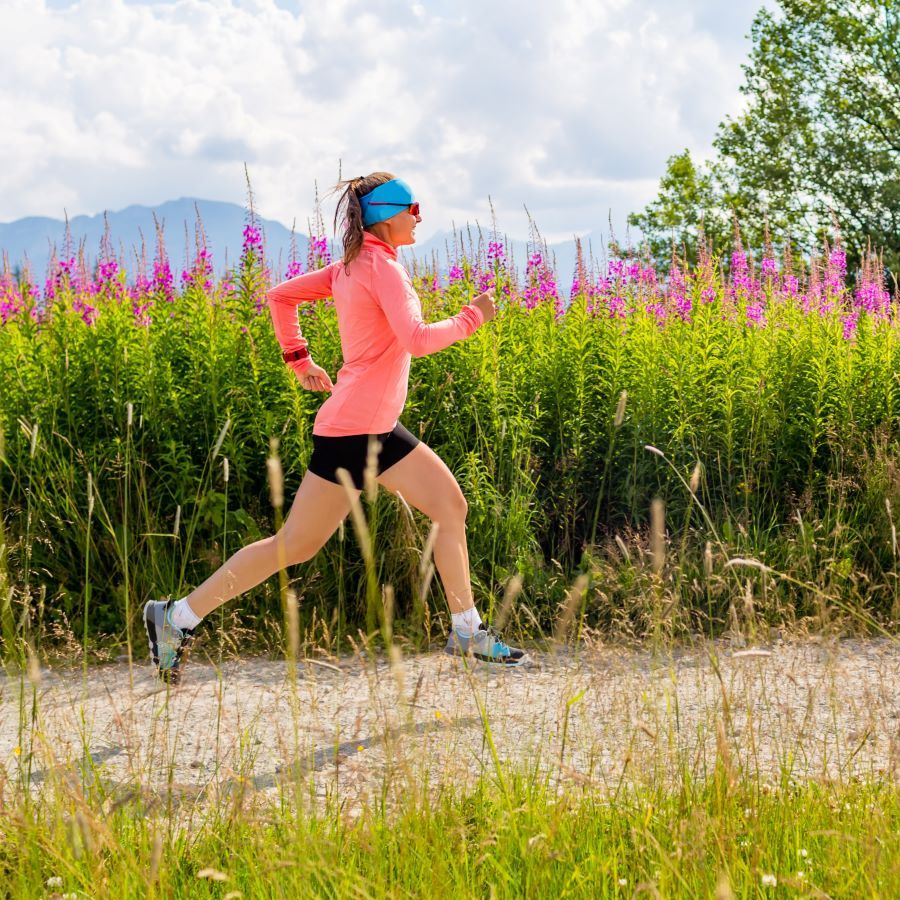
(485, 646)
(167, 642)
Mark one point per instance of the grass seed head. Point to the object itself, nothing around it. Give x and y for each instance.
(695, 477)
(620, 409)
(276, 478)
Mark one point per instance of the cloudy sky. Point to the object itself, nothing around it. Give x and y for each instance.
(567, 108)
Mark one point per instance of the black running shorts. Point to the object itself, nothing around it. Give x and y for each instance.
(349, 452)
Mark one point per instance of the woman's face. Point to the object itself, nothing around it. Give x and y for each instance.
(398, 230)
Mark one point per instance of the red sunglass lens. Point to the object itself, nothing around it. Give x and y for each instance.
(414, 208)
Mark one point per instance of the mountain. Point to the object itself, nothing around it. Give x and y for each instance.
(34, 238)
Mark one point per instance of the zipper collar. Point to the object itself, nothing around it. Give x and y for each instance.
(373, 243)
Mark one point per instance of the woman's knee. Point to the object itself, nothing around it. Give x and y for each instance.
(452, 507)
(293, 550)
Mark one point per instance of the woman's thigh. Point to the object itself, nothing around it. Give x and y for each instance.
(317, 509)
(424, 481)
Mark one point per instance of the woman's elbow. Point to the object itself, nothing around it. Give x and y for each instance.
(413, 348)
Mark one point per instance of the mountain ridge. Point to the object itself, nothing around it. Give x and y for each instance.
(36, 238)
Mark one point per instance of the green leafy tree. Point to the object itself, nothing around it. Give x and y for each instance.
(819, 138)
(689, 205)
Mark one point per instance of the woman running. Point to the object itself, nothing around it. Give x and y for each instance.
(381, 328)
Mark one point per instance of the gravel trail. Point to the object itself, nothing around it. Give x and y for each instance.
(355, 730)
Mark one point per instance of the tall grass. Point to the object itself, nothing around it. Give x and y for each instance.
(564, 807)
(779, 393)
(703, 841)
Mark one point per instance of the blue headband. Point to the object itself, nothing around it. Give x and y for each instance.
(394, 194)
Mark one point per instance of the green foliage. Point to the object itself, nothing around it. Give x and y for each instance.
(687, 208)
(819, 136)
(711, 839)
(794, 428)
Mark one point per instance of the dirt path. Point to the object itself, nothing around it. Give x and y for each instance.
(606, 717)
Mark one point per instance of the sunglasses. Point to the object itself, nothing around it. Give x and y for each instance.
(413, 207)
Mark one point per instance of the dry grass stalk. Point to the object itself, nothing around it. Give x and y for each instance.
(356, 512)
(293, 623)
(513, 589)
(371, 470)
(658, 534)
(573, 600)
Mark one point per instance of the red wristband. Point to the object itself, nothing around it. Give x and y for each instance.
(294, 355)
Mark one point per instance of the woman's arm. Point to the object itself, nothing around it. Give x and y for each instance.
(400, 304)
(283, 300)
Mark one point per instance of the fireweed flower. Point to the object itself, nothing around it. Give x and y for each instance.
(108, 282)
(677, 294)
(742, 281)
(870, 294)
(163, 282)
(61, 278)
(617, 306)
(141, 286)
(484, 280)
(658, 310)
(456, 273)
(756, 314)
(200, 273)
(252, 238)
(140, 312)
(616, 268)
(318, 255)
(834, 289)
(294, 269)
(495, 252)
(254, 272)
(850, 323)
(790, 286)
(540, 283)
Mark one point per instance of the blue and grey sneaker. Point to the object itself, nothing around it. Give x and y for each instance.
(485, 646)
(167, 642)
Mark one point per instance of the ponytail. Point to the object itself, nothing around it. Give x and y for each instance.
(349, 212)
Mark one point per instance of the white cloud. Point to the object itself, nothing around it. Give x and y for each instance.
(569, 108)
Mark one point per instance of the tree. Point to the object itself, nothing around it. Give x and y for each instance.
(689, 202)
(820, 136)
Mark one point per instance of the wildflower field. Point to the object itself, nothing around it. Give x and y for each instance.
(758, 400)
(702, 457)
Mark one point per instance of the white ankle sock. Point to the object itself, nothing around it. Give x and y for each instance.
(183, 616)
(466, 623)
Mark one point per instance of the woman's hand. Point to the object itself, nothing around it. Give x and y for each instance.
(485, 302)
(315, 378)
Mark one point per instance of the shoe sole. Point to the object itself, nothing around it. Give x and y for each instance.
(488, 662)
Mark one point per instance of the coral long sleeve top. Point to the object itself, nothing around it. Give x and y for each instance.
(380, 322)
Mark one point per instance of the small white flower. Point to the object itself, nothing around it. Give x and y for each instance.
(769, 881)
(801, 875)
(623, 882)
(53, 881)
(748, 812)
(803, 852)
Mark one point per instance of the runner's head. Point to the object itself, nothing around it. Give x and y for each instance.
(378, 203)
